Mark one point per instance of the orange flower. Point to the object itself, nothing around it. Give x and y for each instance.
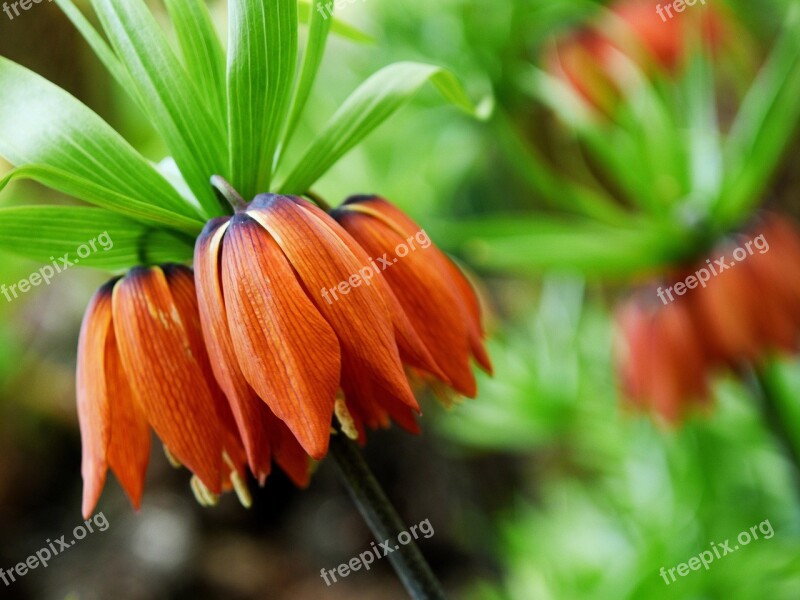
(669, 350)
(588, 60)
(142, 363)
(271, 332)
(433, 292)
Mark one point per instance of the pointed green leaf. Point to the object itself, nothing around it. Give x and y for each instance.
(98, 45)
(102, 196)
(368, 107)
(65, 145)
(315, 49)
(46, 233)
(194, 135)
(764, 125)
(262, 58)
(203, 55)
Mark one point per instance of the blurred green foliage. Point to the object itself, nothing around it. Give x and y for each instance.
(615, 497)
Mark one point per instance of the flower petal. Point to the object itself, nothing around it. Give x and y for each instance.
(286, 350)
(450, 276)
(165, 372)
(429, 302)
(360, 318)
(250, 412)
(184, 292)
(129, 446)
(93, 410)
(409, 344)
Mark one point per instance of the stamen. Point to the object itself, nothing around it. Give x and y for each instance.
(241, 489)
(202, 494)
(239, 484)
(171, 458)
(345, 419)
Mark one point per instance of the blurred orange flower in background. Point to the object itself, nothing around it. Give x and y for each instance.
(745, 311)
(595, 60)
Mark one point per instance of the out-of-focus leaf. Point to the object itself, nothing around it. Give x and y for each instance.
(194, 135)
(338, 27)
(528, 245)
(559, 192)
(613, 147)
(703, 135)
(46, 233)
(261, 64)
(370, 105)
(202, 51)
(57, 140)
(764, 125)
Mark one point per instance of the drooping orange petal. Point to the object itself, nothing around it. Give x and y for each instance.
(129, 445)
(359, 317)
(250, 412)
(427, 300)
(684, 363)
(288, 452)
(166, 374)
(93, 410)
(725, 309)
(449, 274)
(634, 351)
(410, 345)
(184, 292)
(287, 352)
(470, 301)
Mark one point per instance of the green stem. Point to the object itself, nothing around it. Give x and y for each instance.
(383, 520)
(227, 193)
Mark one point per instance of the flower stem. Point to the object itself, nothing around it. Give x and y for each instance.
(383, 520)
(226, 192)
(771, 409)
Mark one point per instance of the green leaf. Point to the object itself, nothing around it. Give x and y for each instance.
(613, 146)
(98, 46)
(315, 49)
(194, 135)
(46, 233)
(102, 196)
(261, 64)
(368, 107)
(59, 141)
(529, 245)
(338, 27)
(203, 55)
(544, 180)
(764, 126)
(703, 137)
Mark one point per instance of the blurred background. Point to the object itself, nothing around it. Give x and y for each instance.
(599, 175)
